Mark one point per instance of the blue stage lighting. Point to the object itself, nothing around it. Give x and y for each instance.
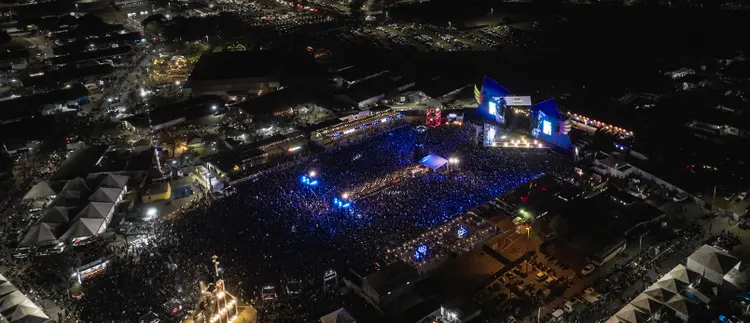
(420, 252)
(462, 232)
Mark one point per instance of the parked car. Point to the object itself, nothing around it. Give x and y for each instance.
(587, 270)
(680, 197)
(540, 276)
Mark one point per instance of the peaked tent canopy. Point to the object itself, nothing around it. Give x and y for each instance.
(106, 194)
(11, 300)
(681, 305)
(658, 293)
(116, 181)
(433, 161)
(55, 215)
(714, 259)
(671, 284)
(631, 314)
(83, 228)
(681, 273)
(338, 316)
(95, 210)
(39, 232)
(40, 190)
(646, 303)
(6, 288)
(26, 311)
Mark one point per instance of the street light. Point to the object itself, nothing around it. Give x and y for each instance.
(214, 107)
(151, 212)
(312, 174)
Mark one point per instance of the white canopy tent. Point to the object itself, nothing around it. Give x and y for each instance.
(106, 194)
(338, 316)
(631, 314)
(55, 215)
(83, 228)
(40, 190)
(17, 308)
(38, 233)
(116, 181)
(96, 210)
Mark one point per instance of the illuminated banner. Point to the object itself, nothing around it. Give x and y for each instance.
(547, 124)
(518, 101)
(491, 100)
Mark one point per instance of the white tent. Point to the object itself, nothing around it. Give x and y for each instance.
(646, 303)
(40, 190)
(681, 305)
(713, 259)
(681, 273)
(631, 314)
(55, 215)
(6, 287)
(76, 188)
(96, 210)
(433, 161)
(27, 311)
(39, 232)
(116, 181)
(106, 194)
(11, 300)
(338, 316)
(658, 293)
(669, 283)
(83, 228)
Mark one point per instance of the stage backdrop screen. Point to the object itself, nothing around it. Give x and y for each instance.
(491, 100)
(547, 124)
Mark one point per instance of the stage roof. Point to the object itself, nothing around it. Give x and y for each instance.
(433, 161)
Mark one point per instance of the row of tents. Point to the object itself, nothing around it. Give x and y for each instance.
(15, 307)
(77, 208)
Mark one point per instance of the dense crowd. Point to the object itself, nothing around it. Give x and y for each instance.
(276, 230)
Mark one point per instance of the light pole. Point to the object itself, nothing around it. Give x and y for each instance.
(538, 313)
(713, 200)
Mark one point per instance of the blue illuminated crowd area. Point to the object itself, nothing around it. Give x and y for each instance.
(281, 226)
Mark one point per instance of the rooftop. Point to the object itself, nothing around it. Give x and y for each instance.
(279, 100)
(53, 78)
(255, 64)
(94, 54)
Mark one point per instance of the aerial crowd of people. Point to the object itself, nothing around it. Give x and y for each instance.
(276, 230)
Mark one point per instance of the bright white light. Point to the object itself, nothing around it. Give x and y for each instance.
(214, 107)
(177, 82)
(345, 196)
(547, 128)
(295, 148)
(492, 107)
(151, 211)
(312, 173)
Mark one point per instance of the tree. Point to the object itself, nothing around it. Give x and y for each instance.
(154, 24)
(4, 37)
(355, 8)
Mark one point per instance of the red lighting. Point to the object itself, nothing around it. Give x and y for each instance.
(544, 189)
(524, 199)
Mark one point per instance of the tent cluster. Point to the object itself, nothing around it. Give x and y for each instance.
(81, 208)
(684, 291)
(338, 316)
(15, 307)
